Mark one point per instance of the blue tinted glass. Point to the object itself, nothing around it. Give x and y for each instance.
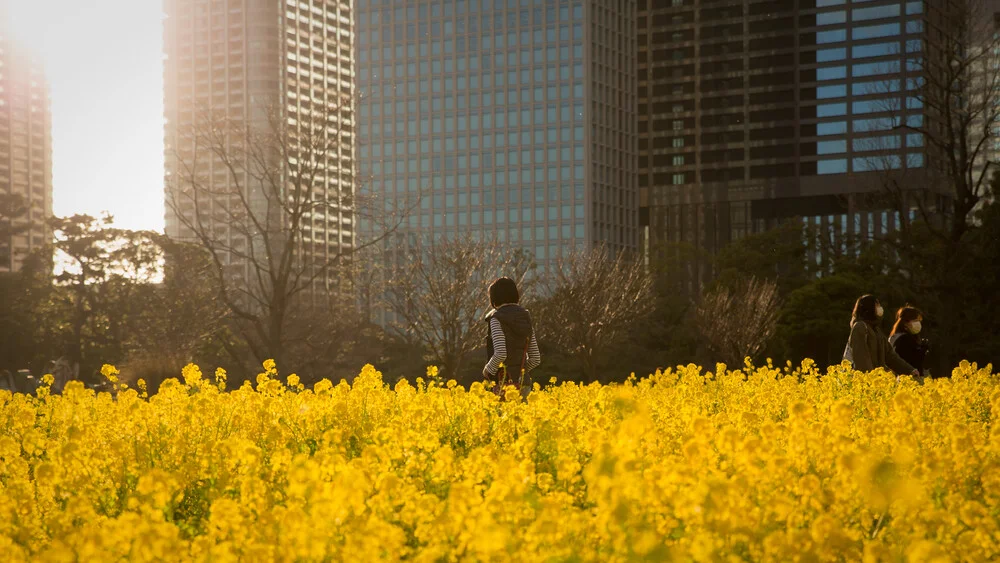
(829, 110)
(915, 140)
(873, 31)
(887, 142)
(831, 73)
(914, 160)
(870, 125)
(877, 87)
(826, 55)
(914, 26)
(914, 8)
(836, 91)
(872, 106)
(873, 69)
(831, 128)
(880, 162)
(831, 147)
(823, 3)
(833, 36)
(838, 166)
(875, 50)
(914, 46)
(874, 13)
(830, 18)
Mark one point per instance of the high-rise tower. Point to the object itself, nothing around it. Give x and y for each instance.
(257, 92)
(506, 119)
(25, 152)
(752, 113)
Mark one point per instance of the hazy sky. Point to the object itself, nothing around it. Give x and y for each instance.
(104, 62)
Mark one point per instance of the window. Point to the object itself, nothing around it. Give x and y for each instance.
(677, 179)
(878, 87)
(915, 140)
(914, 160)
(836, 91)
(824, 3)
(826, 55)
(914, 8)
(836, 166)
(678, 125)
(831, 147)
(871, 125)
(872, 106)
(875, 13)
(915, 26)
(678, 160)
(880, 162)
(873, 69)
(873, 31)
(875, 50)
(678, 142)
(833, 36)
(831, 128)
(828, 110)
(831, 73)
(830, 18)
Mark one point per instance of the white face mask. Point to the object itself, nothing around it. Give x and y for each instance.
(915, 327)
(879, 311)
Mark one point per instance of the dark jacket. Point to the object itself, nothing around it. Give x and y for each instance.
(910, 348)
(516, 323)
(869, 349)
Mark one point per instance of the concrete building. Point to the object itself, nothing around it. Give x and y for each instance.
(752, 113)
(504, 119)
(25, 151)
(281, 71)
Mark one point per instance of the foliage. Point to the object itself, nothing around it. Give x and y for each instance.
(756, 464)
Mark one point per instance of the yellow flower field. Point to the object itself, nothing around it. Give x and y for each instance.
(755, 464)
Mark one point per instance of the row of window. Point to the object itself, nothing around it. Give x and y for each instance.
(869, 164)
(867, 144)
(868, 106)
(868, 51)
(369, 13)
(868, 32)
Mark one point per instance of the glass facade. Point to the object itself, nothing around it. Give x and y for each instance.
(503, 119)
(754, 113)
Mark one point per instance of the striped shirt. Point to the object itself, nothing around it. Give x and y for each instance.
(533, 360)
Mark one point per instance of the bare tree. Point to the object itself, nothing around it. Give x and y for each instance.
(439, 296)
(944, 100)
(277, 207)
(593, 300)
(739, 322)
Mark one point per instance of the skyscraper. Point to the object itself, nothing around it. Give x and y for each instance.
(505, 119)
(256, 92)
(755, 113)
(25, 151)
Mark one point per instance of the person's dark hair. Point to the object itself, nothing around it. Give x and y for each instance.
(864, 310)
(904, 316)
(503, 292)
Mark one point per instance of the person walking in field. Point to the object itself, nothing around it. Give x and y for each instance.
(511, 348)
(868, 348)
(905, 339)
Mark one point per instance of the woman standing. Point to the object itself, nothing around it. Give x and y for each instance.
(511, 347)
(905, 340)
(868, 348)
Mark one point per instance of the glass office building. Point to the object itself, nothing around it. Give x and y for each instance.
(754, 113)
(505, 119)
(25, 148)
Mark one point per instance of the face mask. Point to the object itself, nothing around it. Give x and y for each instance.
(879, 311)
(915, 327)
